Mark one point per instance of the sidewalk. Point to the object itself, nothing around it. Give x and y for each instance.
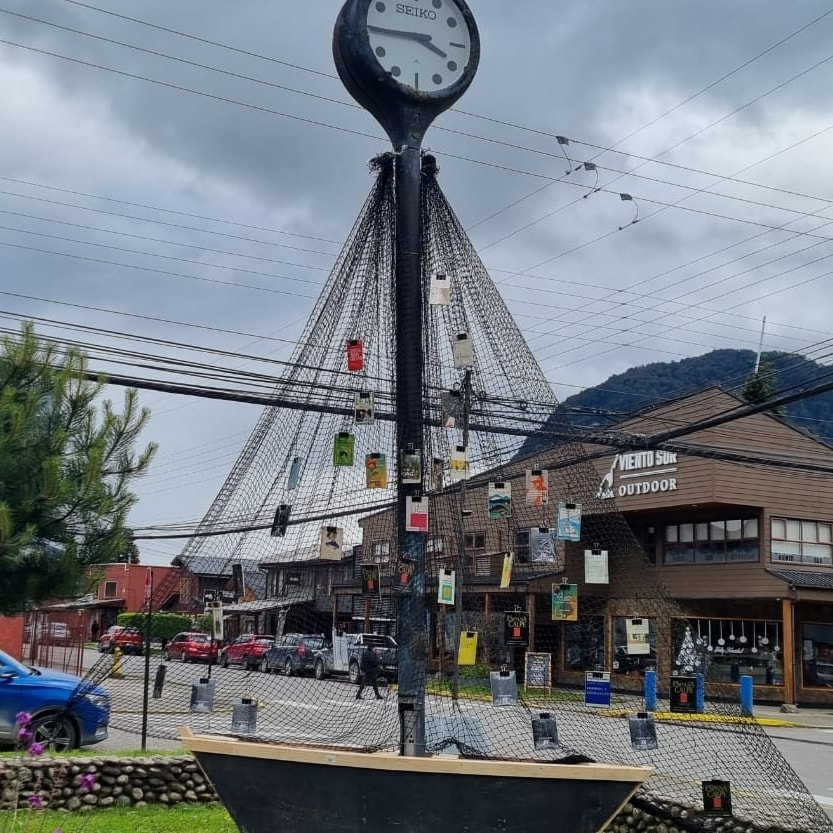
(805, 718)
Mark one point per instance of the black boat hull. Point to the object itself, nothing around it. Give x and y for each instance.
(271, 788)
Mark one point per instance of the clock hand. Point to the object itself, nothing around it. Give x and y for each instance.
(423, 38)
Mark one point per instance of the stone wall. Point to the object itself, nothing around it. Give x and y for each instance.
(58, 783)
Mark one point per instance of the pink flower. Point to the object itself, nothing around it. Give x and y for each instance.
(87, 782)
(24, 736)
(35, 749)
(22, 719)
(35, 802)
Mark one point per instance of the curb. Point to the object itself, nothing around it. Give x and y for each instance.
(717, 718)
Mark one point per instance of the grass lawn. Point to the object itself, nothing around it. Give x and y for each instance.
(152, 819)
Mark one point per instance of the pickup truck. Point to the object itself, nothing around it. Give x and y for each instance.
(343, 656)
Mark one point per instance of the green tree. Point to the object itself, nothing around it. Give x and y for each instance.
(66, 466)
(162, 625)
(760, 387)
(131, 551)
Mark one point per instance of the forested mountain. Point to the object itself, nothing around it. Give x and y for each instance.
(641, 387)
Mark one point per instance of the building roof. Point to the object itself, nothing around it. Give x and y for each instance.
(295, 597)
(807, 579)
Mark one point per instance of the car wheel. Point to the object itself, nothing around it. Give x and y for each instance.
(56, 732)
(224, 661)
(287, 667)
(319, 670)
(264, 665)
(182, 657)
(354, 672)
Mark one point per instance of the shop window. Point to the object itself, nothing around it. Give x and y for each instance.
(634, 645)
(817, 655)
(380, 552)
(712, 542)
(110, 589)
(475, 540)
(801, 542)
(434, 546)
(726, 649)
(584, 644)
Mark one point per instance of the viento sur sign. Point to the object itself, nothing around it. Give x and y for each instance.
(639, 473)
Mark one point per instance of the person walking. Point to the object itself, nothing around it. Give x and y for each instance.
(369, 668)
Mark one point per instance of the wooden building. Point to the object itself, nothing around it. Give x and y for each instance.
(737, 536)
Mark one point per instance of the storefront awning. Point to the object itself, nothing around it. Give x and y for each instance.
(805, 579)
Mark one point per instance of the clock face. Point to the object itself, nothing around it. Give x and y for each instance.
(421, 44)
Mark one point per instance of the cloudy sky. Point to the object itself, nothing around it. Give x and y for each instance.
(186, 171)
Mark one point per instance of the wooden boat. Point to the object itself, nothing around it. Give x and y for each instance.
(271, 788)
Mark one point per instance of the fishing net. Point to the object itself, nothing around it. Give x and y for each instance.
(532, 580)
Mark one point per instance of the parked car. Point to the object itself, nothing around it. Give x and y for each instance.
(130, 640)
(66, 711)
(49, 633)
(343, 656)
(191, 646)
(293, 653)
(247, 650)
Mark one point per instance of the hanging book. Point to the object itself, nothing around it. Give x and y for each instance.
(371, 585)
(595, 567)
(542, 549)
(281, 521)
(343, 447)
(506, 572)
(500, 500)
(638, 633)
(565, 602)
(295, 472)
(410, 465)
(643, 731)
(416, 514)
(463, 351)
(459, 467)
(406, 572)
(331, 543)
(452, 408)
(363, 408)
(355, 355)
(467, 652)
(445, 591)
(376, 471)
(537, 487)
(436, 475)
(569, 521)
(440, 290)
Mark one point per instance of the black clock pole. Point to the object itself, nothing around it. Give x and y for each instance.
(405, 113)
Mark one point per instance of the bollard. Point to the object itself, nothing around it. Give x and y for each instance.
(116, 671)
(650, 691)
(700, 693)
(746, 696)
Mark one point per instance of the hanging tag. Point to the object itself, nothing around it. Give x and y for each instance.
(569, 521)
(542, 545)
(537, 487)
(416, 514)
(595, 567)
(506, 572)
(643, 731)
(295, 472)
(445, 593)
(459, 467)
(355, 355)
(406, 572)
(376, 471)
(363, 408)
(440, 290)
(436, 474)
(544, 731)
(281, 521)
(638, 637)
(500, 500)
(452, 407)
(504, 687)
(463, 351)
(565, 603)
(410, 465)
(343, 448)
(516, 628)
(467, 651)
(717, 798)
(331, 543)
(371, 586)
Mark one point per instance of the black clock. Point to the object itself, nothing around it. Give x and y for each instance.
(406, 62)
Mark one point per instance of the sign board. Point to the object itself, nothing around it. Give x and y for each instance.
(717, 798)
(597, 688)
(516, 628)
(538, 670)
(227, 597)
(683, 694)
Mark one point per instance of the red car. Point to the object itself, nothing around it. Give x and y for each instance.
(130, 640)
(247, 650)
(191, 646)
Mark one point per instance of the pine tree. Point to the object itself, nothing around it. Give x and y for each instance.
(66, 465)
(760, 387)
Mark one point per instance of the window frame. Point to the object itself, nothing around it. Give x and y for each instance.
(801, 526)
(718, 543)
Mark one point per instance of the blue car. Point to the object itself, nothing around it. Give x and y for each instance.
(66, 711)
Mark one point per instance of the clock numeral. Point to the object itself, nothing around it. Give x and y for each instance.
(416, 80)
